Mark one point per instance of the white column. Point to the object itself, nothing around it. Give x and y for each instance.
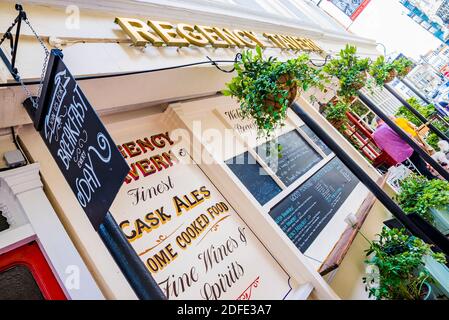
(26, 191)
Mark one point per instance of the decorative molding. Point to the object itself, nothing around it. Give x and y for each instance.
(11, 184)
(31, 213)
(11, 239)
(5, 212)
(22, 179)
(210, 12)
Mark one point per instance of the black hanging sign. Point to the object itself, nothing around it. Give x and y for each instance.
(78, 141)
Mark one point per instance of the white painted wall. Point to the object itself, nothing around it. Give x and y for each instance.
(128, 93)
(31, 217)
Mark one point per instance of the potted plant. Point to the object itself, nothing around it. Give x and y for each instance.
(335, 112)
(426, 110)
(265, 88)
(382, 71)
(397, 267)
(350, 71)
(403, 66)
(432, 138)
(427, 198)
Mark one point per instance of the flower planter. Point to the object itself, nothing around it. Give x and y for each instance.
(440, 275)
(441, 217)
(401, 275)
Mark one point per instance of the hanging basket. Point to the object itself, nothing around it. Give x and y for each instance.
(405, 72)
(282, 84)
(391, 75)
(337, 124)
(361, 80)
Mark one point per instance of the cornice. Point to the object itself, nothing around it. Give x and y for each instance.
(206, 12)
(22, 179)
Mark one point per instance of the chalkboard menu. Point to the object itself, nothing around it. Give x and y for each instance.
(327, 151)
(297, 157)
(78, 141)
(304, 213)
(254, 177)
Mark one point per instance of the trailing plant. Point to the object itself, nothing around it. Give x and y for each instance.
(382, 71)
(265, 88)
(350, 71)
(336, 112)
(397, 261)
(418, 195)
(403, 66)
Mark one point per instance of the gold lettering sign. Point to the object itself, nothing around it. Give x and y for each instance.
(167, 33)
(189, 33)
(233, 39)
(160, 33)
(214, 39)
(138, 31)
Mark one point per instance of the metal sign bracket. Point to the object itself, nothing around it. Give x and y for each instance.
(13, 42)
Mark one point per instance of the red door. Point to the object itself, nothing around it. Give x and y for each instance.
(26, 275)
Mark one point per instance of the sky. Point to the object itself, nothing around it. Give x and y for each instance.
(386, 22)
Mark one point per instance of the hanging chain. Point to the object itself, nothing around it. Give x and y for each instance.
(35, 100)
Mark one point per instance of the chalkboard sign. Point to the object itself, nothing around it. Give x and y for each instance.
(304, 213)
(327, 151)
(79, 142)
(297, 157)
(254, 177)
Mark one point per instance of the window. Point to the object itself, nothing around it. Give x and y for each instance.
(26, 275)
(254, 177)
(18, 283)
(302, 190)
(297, 158)
(269, 177)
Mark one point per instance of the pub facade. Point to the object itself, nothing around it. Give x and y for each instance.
(208, 213)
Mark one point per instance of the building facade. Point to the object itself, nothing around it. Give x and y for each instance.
(185, 198)
(443, 12)
(427, 14)
(430, 75)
